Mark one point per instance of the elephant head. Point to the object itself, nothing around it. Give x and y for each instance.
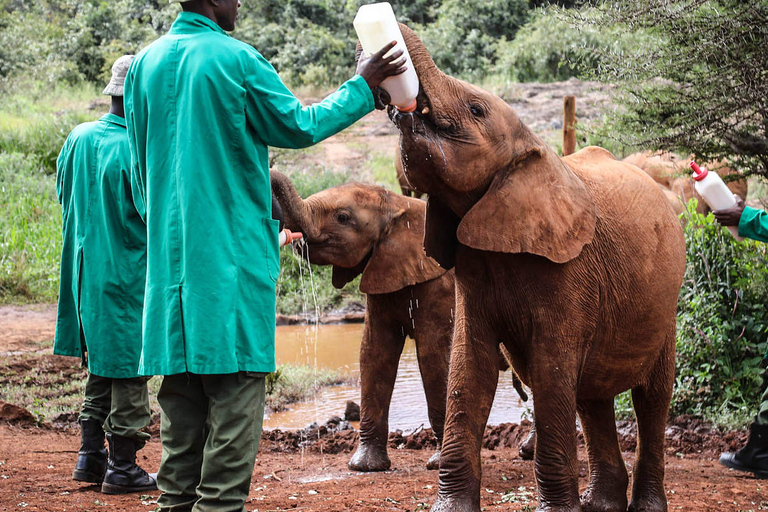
(358, 229)
(469, 151)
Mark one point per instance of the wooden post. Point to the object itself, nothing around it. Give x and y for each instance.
(569, 125)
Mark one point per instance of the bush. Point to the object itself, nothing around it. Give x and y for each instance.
(555, 47)
(722, 331)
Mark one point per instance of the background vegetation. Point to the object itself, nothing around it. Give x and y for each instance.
(691, 76)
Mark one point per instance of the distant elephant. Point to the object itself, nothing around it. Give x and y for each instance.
(366, 229)
(674, 174)
(574, 263)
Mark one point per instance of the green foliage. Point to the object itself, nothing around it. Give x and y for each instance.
(700, 85)
(555, 47)
(722, 331)
(30, 231)
(291, 384)
(461, 40)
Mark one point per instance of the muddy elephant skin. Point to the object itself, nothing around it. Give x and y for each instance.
(574, 263)
(366, 229)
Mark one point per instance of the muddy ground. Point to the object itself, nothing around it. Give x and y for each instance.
(307, 470)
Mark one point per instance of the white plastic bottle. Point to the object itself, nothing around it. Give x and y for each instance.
(376, 26)
(715, 192)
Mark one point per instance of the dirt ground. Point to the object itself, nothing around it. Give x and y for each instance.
(307, 470)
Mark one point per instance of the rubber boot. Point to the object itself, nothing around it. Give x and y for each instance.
(123, 475)
(753, 458)
(92, 457)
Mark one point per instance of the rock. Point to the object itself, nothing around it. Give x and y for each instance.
(352, 412)
(15, 415)
(333, 422)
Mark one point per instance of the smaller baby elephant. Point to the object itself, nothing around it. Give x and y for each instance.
(365, 229)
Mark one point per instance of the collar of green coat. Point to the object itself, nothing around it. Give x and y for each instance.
(193, 23)
(112, 118)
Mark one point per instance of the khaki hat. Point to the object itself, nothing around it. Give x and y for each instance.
(119, 70)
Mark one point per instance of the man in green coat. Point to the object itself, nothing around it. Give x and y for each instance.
(202, 109)
(753, 457)
(103, 262)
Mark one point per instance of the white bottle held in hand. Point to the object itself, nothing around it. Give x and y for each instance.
(715, 192)
(376, 26)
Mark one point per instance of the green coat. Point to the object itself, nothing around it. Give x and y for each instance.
(754, 224)
(103, 259)
(202, 108)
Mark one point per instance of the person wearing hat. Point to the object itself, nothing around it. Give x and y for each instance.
(101, 294)
(202, 109)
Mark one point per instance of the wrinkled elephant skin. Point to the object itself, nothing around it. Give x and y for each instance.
(574, 263)
(363, 229)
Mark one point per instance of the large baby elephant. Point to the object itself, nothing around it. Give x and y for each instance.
(367, 229)
(574, 263)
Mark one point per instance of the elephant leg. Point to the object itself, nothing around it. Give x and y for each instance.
(608, 479)
(555, 459)
(433, 353)
(651, 403)
(379, 356)
(472, 379)
(528, 446)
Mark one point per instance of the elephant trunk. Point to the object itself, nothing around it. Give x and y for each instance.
(296, 213)
(434, 83)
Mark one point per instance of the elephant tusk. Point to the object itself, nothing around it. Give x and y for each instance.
(425, 111)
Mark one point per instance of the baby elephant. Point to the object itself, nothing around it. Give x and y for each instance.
(365, 229)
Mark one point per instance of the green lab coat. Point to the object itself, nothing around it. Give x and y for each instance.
(754, 224)
(103, 259)
(202, 108)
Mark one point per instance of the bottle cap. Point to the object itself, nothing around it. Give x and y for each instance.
(409, 108)
(698, 173)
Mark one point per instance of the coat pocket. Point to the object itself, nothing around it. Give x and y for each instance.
(271, 250)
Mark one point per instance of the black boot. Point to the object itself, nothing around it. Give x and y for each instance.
(92, 457)
(753, 458)
(123, 474)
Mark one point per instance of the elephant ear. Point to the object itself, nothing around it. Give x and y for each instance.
(440, 233)
(398, 258)
(341, 276)
(538, 206)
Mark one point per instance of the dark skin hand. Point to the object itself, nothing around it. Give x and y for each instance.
(377, 68)
(731, 216)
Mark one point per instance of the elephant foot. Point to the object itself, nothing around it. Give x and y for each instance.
(369, 458)
(651, 504)
(593, 501)
(556, 508)
(456, 504)
(526, 448)
(434, 461)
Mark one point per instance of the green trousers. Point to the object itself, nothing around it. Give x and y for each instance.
(120, 405)
(211, 428)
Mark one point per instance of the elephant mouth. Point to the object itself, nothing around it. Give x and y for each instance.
(416, 122)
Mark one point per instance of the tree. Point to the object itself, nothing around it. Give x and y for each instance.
(699, 84)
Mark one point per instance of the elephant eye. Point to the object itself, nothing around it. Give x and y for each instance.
(342, 217)
(476, 110)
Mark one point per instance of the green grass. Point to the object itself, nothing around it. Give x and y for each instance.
(30, 231)
(291, 384)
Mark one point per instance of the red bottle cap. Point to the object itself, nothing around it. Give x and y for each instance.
(698, 173)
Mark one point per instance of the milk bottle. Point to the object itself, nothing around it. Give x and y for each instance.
(715, 192)
(376, 26)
